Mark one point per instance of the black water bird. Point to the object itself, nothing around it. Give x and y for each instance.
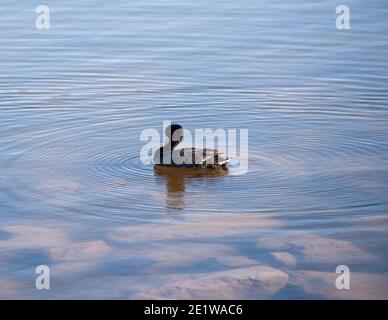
(171, 156)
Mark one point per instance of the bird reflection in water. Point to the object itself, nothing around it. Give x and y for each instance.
(175, 179)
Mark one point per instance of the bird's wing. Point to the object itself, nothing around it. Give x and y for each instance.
(222, 159)
(200, 156)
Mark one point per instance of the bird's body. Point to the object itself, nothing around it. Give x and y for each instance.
(171, 156)
(190, 158)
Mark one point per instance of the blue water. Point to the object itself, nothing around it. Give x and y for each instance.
(75, 196)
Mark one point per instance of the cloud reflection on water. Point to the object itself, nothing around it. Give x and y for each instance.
(174, 254)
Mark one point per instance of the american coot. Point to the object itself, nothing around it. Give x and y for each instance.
(170, 156)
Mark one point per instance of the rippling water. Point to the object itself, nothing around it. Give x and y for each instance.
(75, 196)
